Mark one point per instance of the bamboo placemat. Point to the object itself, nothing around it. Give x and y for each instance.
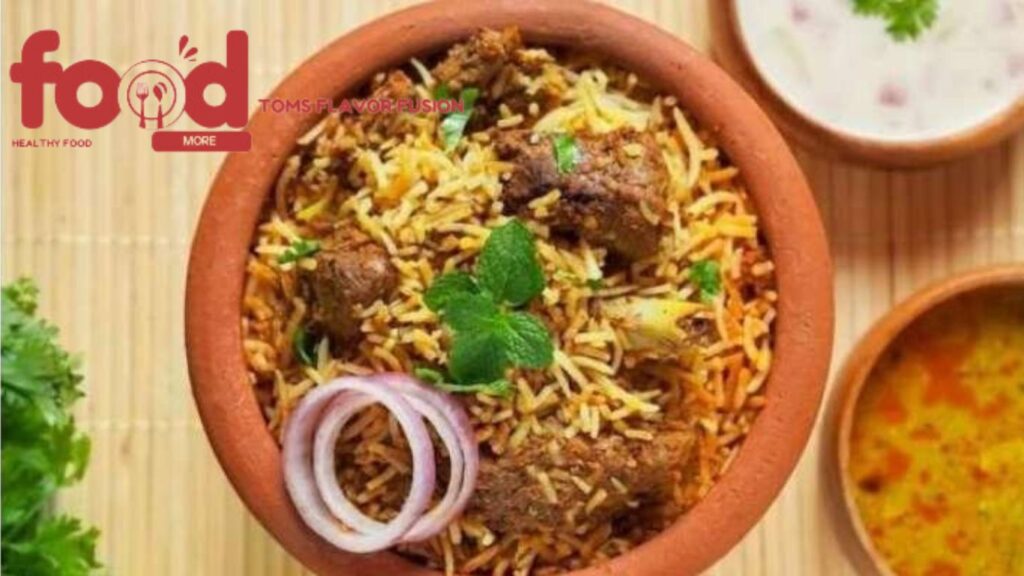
(106, 231)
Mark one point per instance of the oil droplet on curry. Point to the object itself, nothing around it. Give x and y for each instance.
(937, 448)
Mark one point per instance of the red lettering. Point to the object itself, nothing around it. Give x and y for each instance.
(33, 72)
(233, 76)
(72, 110)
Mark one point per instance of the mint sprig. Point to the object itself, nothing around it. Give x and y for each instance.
(489, 336)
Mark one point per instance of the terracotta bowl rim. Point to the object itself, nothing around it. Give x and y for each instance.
(792, 226)
(858, 367)
(730, 44)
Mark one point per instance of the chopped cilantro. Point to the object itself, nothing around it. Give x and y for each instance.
(454, 124)
(906, 18)
(567, 152)
(304, 346)
(707, 276)
(301, 248)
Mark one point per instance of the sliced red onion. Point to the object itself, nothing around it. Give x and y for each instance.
(310, 439)
(332, 402)
(456, 432)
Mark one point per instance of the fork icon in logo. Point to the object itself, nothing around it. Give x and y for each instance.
(142, 92)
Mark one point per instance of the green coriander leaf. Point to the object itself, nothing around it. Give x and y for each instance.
(567, 153)
(707, 276)
(471, 312)
(454, 124)
(478, 356)
(59, 546)
(441, 92)
(595, 283)
(508, 268)
(447, 286)
(304, 346)
(42, 449)
(906, 18)
(299, 249)
(500, 388)
(527, 341)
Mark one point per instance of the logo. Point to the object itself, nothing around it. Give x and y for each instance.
(155, 92)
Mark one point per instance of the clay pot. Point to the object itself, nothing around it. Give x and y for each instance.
(228, 407)
(730, 49)
(852, 380)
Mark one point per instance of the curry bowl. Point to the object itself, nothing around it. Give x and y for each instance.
(925, 429)
(230, 239)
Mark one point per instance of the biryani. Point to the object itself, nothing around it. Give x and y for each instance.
(518, 337)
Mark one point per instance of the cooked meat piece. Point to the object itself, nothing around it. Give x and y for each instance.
(478, 60)
(601, 198)
(510, 497)
(351, 269)
(395, 86)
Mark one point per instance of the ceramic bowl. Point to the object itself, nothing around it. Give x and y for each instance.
(228, 407)
(854, 376)
(731, 51)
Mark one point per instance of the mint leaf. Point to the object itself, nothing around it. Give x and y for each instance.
(471, 312)
(298, 250)
(567, 153)
(508, 268)
(478, 356)
(455, 123)
(446, 287)
(527, 341)
(906, 18)
(706, 274)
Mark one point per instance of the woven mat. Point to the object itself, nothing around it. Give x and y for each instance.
(106, 230)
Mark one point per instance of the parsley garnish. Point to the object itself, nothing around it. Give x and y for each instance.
(454, 124)
(42, 449)
(706, 275)
(567, 152)
(906, 18)
(298, 250)
(489, 335)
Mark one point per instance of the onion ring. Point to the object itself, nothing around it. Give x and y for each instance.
(298, 452)
(456, 432)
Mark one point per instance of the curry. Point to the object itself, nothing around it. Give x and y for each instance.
(937, 446)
